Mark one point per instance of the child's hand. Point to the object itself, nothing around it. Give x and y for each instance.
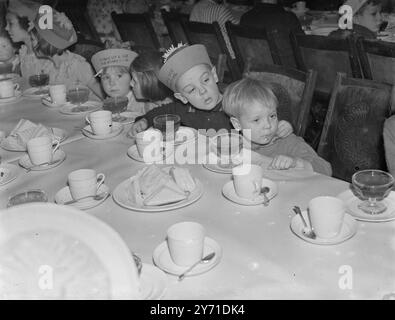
(281, 162)
(284, 129)
(137, 127)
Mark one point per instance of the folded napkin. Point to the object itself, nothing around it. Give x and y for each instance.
(26, 130)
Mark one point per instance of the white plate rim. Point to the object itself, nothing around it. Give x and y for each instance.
(82, 205)
(246, 202)
(43, 168)
(15, 172)
(118, 128)
(29, 92)
(348, 195)
(155, 209)
(152, 275)
(65, 108)
(133, 154)
(348, 219)
(209, 242)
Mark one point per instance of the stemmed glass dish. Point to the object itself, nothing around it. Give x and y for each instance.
(168, 124)
(372, 186)
(35, 195)
(116, 105)
(39, 81)
(78, 95)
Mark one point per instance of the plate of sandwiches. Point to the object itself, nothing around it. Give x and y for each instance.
(155, 189)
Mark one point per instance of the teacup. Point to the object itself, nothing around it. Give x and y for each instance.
(150, 144)
(326, 216)
(58, 93)
(84, 183)
(101, 122)
(42, 149)
(247, 180)
(186, 242)
(7, 88)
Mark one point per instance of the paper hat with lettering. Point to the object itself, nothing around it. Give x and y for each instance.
(180, 59)
(24, 8)
(113, 57)
(355, 5)
(62, 34)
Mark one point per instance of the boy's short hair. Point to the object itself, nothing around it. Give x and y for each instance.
(146, 68)
(240, 94)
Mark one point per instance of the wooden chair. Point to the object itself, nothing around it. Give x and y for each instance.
(173, 24)
(138, 28)
(87, 48)
(253, 47)
(377, 60)
(294, 90)
(210, 36)
(327, 56)
(352, 136)
(76, 11)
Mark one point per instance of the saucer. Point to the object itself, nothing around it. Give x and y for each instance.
(153, 282)
(163, 260)
(135, 155)
(64, 195)
(8, 173)
(116, 129)
(12, 99)
(229, 192)
(47, 101)
(59, 156)
(352, 202)
(347, 231)
(36, 92)
(86, 107)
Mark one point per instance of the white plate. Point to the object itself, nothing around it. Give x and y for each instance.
(121, 197)
(10, 172)
(135, 155)
(47, 101)
(352, 202)
(27, 164)
(9, 144)
(116, 129)
(229, 192)
(86, 107)
(347, 231)
(153, 282)
(163, 260)
(64, 195)
(13, 99)
(36, 92)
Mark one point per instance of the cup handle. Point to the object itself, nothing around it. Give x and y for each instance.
(100, 179)
(257, 187)
(57, 144)
(16, 86)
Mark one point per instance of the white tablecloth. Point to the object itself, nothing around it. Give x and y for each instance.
(262, 258)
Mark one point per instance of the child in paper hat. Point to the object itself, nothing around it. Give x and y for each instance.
(189, 73)
(50, 47)
(112, 65)
(367, 19)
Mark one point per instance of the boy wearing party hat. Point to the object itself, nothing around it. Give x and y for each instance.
(112, 65)
(189, 73)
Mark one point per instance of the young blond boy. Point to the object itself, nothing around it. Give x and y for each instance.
(252, 107)
(188, 72)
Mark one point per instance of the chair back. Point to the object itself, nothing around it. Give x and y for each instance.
(173, 24)
(294, 90)
(352, 135)
(87, 48)
(211, 37)
(136, 27)
(327, 56)
(254, 48)
(377, 60)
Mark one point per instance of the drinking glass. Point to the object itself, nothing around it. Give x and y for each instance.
(78, 95)
(168, 124)
(116, 105)
(39, 81)
(373, 186)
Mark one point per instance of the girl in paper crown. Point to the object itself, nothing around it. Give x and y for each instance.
(188, 72)
(50, 47)
(367, 19)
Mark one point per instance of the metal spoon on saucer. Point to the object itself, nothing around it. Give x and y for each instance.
(205, 259)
